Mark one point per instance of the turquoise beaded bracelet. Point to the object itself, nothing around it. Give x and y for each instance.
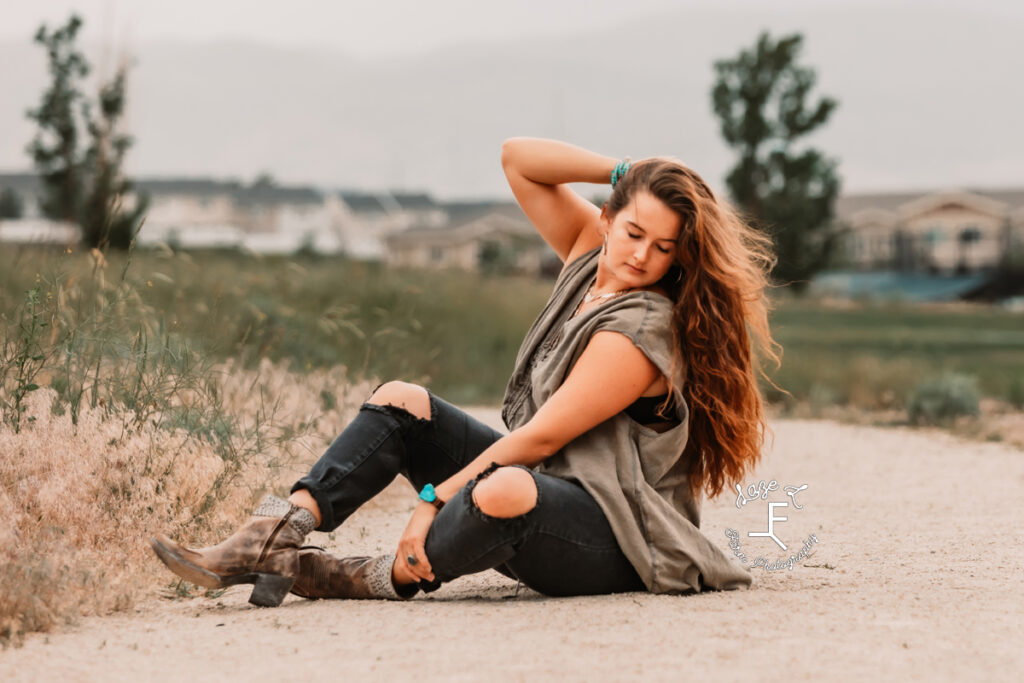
(620, 171)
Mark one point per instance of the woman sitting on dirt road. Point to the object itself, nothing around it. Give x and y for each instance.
(633, 394)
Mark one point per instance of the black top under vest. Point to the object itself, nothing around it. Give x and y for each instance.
(644, 409)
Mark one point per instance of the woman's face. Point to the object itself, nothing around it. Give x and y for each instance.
(641, 240)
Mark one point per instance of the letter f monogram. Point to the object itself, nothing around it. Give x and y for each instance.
(771, 524)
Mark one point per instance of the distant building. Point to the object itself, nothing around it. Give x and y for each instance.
(944, 232)
(368, 219)
(261, 217)
(479, 237)
(941, 233)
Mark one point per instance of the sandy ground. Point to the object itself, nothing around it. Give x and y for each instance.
(915, 575)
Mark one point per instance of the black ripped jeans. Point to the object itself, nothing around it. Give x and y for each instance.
(563, 546)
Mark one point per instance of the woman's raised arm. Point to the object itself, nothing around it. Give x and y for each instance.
(538, 170)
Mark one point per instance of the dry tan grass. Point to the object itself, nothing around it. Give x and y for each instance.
(78, 503)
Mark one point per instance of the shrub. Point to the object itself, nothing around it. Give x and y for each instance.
(80, 497)
(113, 426)
(942, 399)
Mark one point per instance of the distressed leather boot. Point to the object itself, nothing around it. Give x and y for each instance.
(322, 575)
(264, 552)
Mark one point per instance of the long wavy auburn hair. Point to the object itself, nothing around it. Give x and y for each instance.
(720, 320)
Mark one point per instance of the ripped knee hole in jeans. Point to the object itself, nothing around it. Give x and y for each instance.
(474, 507)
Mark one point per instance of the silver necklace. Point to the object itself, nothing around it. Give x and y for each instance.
(588, 297)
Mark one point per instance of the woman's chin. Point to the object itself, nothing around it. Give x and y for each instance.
(637, 281)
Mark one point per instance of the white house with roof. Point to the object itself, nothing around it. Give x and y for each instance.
(479, 237)
(262, 217)
(949, 231)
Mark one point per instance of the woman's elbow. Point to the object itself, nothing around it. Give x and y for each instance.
(508, 151)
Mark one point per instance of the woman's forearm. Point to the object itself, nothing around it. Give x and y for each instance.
(517, 448)
(553, 162)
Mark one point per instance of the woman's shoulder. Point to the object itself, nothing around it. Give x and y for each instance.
(646, 319)
(652, 300)
(637, 314)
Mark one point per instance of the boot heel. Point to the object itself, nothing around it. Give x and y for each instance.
(270, 589)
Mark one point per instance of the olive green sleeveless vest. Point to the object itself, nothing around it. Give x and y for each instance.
(638, 476)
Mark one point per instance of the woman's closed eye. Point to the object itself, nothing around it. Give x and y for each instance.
(663, 250)
(638, 237)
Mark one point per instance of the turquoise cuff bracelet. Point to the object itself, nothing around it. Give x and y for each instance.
(430, 496)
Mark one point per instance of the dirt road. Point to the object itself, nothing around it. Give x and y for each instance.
(915, 573)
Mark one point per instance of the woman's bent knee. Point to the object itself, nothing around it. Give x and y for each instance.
(507, 492)
(410, 397)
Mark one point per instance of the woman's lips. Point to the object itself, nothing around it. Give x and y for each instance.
(634, 269)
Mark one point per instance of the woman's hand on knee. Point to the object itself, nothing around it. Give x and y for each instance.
(413, 543)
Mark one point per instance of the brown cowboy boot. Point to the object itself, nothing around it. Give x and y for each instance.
(322, 575)
(263, 552)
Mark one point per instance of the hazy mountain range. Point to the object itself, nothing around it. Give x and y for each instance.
(927, 100)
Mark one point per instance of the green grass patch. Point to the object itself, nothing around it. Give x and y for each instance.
(872, 356)
(458, 333)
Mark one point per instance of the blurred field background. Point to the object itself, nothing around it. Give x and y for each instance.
(459, 332)
(168, 390)
(873, 355)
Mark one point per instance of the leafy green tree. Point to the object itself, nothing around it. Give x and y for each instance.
(104, 219)
(759, 97)
(85, 187)
(55, 147)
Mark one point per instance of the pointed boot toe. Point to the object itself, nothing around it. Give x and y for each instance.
(171, 554)
(263, 552)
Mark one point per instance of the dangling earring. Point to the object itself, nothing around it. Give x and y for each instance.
(604, 249)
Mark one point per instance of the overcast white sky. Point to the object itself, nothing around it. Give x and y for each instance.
(373, 28)
(923, 104)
